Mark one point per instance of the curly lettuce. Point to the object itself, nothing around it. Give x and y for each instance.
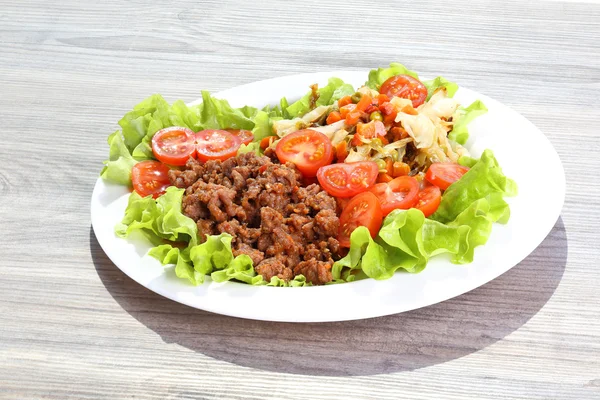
(407, 240)
(463, 117)
(133, 143)
(380, 75)
(160, 219)
(118, 166)
(332, 92)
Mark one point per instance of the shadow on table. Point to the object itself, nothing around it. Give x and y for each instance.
(406, 341)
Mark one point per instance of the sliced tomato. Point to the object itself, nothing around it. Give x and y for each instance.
(245, 135)
(400, 193)
(214, 144)
(405, 86)
(443, 175)
(174, 145)
(370, 130)
(347, 179)
(150, 178)
(363, 210)
(429, 200)
(309, 150)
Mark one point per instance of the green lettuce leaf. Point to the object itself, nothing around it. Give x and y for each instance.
(333, 91)
(250, 147)
(380, 75)
(218, 114)
(214, 254)
(440, 82)
(159, 219)
(147, 116)
(184, 269)
(240, 268)
(484, 179)
(118, 166)
(262, 126)
(459, 132)
(298, 281)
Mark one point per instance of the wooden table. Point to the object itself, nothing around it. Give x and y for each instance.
(72, 326)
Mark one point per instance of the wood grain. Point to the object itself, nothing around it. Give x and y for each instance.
(72, 326)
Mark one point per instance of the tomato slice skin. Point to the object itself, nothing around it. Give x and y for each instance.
(308, 149)
(362, 210)
(245, 135)
(347, 179)
(400, 193)
(406, 87)
(150, 177)
(429, 200)
(216, 144)
(174, 145)
(443, 175)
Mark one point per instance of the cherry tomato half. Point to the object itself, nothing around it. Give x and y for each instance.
(174, 145)
(363, 210)
(399, 193)
(405, 86)
(347, 180)
(309, 150)
(150, 178)
(245, 135)
(443, 175)
(428, 200)
(213, 144)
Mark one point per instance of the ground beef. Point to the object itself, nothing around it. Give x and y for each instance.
(285, 228)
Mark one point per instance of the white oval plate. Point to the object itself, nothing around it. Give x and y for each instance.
(517, 144)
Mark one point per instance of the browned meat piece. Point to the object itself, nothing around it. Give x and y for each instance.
(304, 193)
(270, 219)
(334, 245)
(316, 272)
(286, 229)
(271, 267)
(312, 251)
(206, 227)
(240, 232)
(256, 255)
(327, 223)
(321, 201)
